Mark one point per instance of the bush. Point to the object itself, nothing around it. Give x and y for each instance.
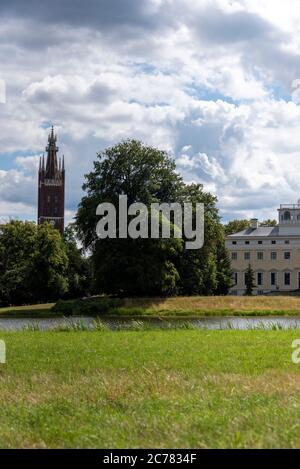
(86, 307)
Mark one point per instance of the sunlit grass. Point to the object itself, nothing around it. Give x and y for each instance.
(180, 307)
(160, 389)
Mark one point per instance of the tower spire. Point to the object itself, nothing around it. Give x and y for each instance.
(51, 162)
(51, 187)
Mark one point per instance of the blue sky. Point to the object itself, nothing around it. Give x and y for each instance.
(213, 82)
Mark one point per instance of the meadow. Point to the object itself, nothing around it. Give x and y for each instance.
(196, 389)
(185, 307)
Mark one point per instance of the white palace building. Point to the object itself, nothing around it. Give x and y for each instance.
(272, 252)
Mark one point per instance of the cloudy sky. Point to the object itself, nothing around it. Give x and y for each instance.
(214, 82)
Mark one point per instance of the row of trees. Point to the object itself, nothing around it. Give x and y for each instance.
(37, 264)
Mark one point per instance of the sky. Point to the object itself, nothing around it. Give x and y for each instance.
(216, 83)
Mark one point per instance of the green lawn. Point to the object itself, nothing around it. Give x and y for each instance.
(40, 310)
(150, 389)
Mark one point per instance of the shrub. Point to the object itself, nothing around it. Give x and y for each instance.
(86, 306)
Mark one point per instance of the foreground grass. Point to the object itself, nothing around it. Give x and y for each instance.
(185, 307)
(150, 389)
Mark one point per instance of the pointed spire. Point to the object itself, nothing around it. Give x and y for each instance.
(52, 149)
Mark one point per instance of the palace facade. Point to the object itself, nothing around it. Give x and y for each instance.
(272, 252)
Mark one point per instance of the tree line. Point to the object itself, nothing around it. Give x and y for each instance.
(38, 264)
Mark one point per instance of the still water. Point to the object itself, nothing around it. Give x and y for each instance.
(241, 323)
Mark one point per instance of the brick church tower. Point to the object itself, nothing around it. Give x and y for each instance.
(51, 191)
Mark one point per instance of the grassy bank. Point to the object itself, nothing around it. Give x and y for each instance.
(185, 307)
(40, 310)
(150, 389)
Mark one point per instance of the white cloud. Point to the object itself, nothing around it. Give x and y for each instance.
(203, 80)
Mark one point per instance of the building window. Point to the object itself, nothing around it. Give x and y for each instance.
(48, 199)
(259, 242)
(287, 278)
(273, 255)
(273, 279)
(260, 255)
(234, 256)
(260, 292)
(273, 241)
(56, 199)
(233, 242)
(287, 241)
(234, 278)
(247, 256)
(260, 278)
(286, 216)
(247, 242)
(287, 255)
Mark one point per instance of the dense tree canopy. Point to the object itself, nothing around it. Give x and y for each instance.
(36, 264)
(234, 226)
(149, 266)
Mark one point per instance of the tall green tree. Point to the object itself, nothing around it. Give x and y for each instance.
(126, 266)
(49, 265)
(249, 281)
(33, 263)
(147, 266)
(78, 272)
(17, 252)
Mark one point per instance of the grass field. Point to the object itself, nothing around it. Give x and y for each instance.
(182, 307)
(198, 389)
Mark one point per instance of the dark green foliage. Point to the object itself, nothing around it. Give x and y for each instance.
(269, 222)
(149, 266)
(224, 273)
(249, 281)
(235, 226)
(86, 306)
(37, 265)
(79, 267)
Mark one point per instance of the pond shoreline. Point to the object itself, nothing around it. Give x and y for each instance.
(90, 323)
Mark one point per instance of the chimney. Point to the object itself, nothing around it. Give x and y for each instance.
(254, 223)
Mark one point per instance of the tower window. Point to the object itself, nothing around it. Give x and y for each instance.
(273, 255)
(234, 256)
(247, 256)
(287, 255)
(273, 241)
(260, 255)
(286, 216)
